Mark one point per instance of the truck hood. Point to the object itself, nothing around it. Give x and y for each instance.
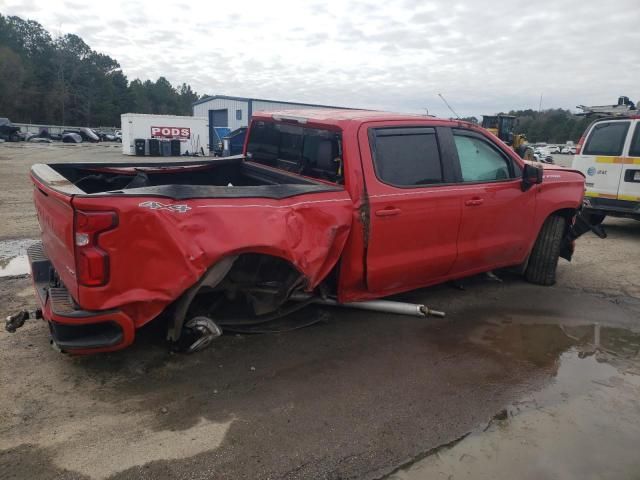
(555, 168)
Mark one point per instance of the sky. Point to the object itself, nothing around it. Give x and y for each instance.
(482, 56)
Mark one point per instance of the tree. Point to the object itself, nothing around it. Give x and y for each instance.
(64, 81)
(551, 126)
(11, 79)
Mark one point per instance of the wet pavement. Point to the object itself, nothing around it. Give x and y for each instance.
(583, 423)
(356, 396)
(13, 257)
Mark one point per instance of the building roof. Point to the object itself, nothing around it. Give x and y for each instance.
(247, 99)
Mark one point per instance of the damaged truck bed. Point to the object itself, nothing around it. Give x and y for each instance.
(340, 206)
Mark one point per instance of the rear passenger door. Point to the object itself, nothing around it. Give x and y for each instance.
(496, 224)
(413, 214)
(629, 189)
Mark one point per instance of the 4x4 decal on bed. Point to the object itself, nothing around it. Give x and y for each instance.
(161, 206)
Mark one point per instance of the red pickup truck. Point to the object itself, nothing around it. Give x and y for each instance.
(342, 204)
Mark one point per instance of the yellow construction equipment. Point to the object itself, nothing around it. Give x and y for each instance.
(502, 126)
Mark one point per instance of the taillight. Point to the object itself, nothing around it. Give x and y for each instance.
(92, 263)
(579, 146)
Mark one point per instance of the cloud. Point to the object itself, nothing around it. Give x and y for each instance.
(394, 55)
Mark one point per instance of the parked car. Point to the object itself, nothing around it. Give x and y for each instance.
(568, 150)
(105, 136)
(609, 157)
(87, 134)
(542, 156)
(343, 205)
(8, 131)
(70, 137)
(554, 149)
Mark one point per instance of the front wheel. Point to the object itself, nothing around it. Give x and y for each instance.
(543, 261)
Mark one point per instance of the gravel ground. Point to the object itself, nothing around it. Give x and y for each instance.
(359, 395)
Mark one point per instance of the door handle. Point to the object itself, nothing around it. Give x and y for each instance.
(474, 202)
(388, 212)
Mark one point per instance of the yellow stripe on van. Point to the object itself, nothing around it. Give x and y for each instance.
(609, 159)
(600, 195)
(630, 198)
(618, 160)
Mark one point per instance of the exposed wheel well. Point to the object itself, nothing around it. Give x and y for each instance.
(566, 213)
(238, 278)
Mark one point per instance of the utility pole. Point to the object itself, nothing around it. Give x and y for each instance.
(540, 104)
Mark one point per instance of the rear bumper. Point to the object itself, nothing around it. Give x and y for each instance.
(612, 207)
(73, 329)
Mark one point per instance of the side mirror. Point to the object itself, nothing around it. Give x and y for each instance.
(531, 175)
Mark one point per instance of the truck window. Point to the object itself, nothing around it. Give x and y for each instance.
(479, 161)
(312, 152)
(406, 156)
(607, 138)
(634, 150)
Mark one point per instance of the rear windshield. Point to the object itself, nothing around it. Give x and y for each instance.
(311, 152)
(607, 138)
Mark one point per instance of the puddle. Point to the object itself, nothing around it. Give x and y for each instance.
(13, 257)
(585, 423)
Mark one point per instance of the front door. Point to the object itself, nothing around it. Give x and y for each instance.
(413, 214)
(496, 226)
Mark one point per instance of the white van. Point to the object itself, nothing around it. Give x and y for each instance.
(609, 157)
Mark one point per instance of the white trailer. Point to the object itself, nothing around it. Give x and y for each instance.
(193, 132)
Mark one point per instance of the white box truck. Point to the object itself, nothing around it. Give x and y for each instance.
(193, 132)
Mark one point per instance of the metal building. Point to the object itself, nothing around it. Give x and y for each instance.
(224, 111)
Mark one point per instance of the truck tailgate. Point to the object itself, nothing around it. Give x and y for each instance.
(56, 217)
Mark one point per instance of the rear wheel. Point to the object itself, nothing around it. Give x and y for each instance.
(543, 261)
(198, 333)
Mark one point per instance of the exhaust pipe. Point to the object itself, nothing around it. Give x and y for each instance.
(386, 306)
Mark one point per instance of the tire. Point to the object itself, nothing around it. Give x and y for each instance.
(199, 332)
(543, 261)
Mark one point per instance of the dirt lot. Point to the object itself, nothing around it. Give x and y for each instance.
(518, 381)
